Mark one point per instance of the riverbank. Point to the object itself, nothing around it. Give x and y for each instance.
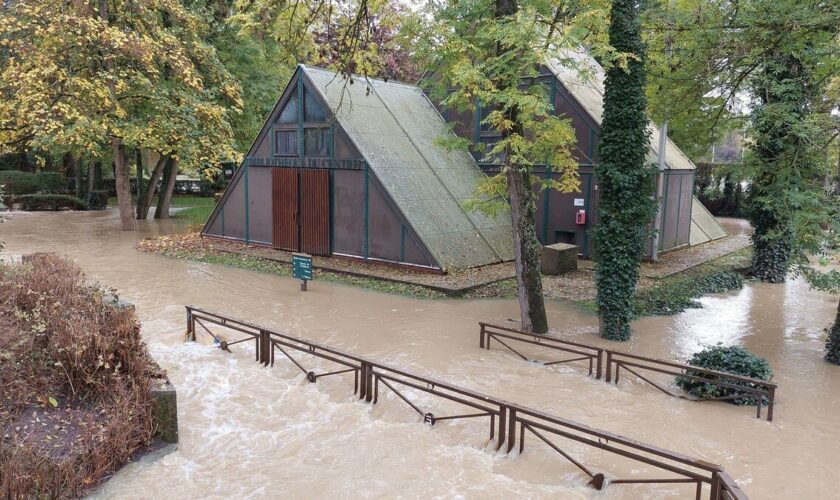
(671, 293)
(77, 400)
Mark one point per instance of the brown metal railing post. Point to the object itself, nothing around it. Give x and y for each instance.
(502, 424)
(608, 376)
(190, 326)
(265, 348)
(598, 368)
(511, 434)
(363, 380)
(369, 384)
(481, 337)
(770, 400)
(715, 493)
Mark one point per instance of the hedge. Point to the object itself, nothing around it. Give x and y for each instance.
(17, 182)
(34, 202)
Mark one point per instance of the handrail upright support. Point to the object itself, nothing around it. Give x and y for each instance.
(608, 377)
(770, 401)
(190, 325)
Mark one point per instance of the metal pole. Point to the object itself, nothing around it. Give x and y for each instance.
(660, 177)
(660, 187)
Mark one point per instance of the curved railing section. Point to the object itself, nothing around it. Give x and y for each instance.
(509, 423)
(610, 363)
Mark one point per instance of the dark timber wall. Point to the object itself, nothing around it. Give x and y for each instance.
(556, 211)
(321, 204)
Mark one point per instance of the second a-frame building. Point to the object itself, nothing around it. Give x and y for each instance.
(355, 168)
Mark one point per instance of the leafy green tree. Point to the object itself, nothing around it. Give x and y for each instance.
(625, 182)
(778, 57)
(101, 78)
(490, 51)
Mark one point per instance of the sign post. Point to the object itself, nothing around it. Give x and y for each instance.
(302, 269)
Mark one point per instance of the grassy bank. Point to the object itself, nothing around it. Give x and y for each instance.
(283, 269)
(664, 296)
(194, 209)
(678, 292)
(76, 380)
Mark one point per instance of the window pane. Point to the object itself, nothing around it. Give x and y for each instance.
(315, 142)
(290, 112)
(312, 109)
(489, 143)
(286, 142)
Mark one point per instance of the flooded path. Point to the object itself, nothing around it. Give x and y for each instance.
(254, 432)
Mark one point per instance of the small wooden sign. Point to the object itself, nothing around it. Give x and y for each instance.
(302, 269)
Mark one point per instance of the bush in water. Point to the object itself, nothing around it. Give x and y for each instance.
(735, 360)
(97, 200)
(33, 202)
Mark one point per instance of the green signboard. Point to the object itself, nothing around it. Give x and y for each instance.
(302, 267)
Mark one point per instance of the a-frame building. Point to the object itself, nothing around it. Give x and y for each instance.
(357, 169)
(575, 89)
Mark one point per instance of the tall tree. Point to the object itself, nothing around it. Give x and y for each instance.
(625, 182)
(773, 59)
(102, 77)
(491, 52)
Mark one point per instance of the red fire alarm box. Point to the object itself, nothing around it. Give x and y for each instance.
(580, 217)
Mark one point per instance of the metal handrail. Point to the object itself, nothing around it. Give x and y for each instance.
(505, 417)
(615, 360)
(592, 354)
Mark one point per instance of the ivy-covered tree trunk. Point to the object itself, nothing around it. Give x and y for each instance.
(526, 250)
(832, 344)
(624, 181)
(781, 89)
(166, 187)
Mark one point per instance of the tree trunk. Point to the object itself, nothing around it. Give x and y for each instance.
(526, 246)
(79, 187)
(94, 176)
(121, 177)
(526, 250)
(144, 200)
(166, 187)
(832, 344)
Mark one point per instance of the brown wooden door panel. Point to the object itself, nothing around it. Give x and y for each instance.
(284, 196)
(315, 211)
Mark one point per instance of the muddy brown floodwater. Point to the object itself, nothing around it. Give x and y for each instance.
(253, 432)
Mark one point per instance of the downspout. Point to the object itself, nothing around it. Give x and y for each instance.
(660, 187)
(660, 177)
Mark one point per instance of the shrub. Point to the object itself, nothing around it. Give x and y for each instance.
(18, 182)
(735, 360)
(33, 202)
(832, 342)
(97, 200)
(76, 378)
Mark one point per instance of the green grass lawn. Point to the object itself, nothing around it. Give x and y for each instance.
(196, 209)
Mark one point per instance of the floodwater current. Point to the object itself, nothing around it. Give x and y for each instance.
(252, 432)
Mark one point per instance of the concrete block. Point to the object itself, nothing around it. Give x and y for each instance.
(559, 258)
(166, 411)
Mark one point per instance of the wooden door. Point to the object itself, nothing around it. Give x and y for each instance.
(315, 211)
(284, 196)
